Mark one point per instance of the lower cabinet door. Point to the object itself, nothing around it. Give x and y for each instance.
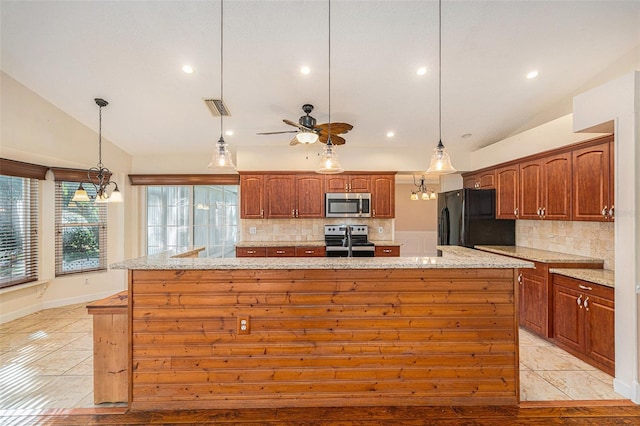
(599, 331)
(534, 303)
(567, 324)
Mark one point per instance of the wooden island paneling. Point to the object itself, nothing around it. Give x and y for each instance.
(322, 337)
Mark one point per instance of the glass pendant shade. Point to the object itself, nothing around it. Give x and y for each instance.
(425, 196)
(414, 196)
(307, 137)
(80, 195)
(222, 157)
(102, 197)
(329, 163)
(440, 161)
(116, 196)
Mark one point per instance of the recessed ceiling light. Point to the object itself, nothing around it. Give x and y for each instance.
(229, 133)
(421, 71)
(390, 134)
(466, 135)
(532, 74)
(305, 70)
(187, 69)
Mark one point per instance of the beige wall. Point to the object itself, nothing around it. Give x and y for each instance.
(33, 130)
(415, 215)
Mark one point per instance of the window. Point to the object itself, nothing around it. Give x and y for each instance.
(182, 216)
(81, 231)
(18, 230)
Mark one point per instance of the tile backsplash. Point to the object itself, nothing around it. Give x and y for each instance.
(592, 239)
(301, 230)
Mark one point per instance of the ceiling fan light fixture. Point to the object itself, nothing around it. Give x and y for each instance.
(307, 137)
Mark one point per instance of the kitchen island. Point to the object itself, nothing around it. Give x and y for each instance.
(225, 333)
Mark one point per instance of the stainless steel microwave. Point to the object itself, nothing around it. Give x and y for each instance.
(349, 204)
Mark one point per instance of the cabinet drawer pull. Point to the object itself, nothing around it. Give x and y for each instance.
(586, 303)
(309, 251)
(584, 287)
(251, 252)
(280, 251)
(386, 251)
(579, 301)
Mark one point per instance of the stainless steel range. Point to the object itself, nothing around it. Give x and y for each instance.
(348, 241)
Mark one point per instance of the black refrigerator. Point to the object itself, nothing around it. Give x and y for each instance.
(467, 217)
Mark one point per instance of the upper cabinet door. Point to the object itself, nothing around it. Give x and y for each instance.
(507, 186)
(591, 195)
(279, 196)
(383, 196)
(336, 183)
(360, 183)
(556, 188)
(251, 196)
(310, 196)
(530, 190)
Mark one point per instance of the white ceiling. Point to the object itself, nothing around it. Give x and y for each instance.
(131, 54)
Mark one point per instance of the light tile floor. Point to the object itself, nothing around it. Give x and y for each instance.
(46, 362)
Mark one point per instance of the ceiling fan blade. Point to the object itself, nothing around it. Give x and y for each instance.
(294, 141)
(337, 140)
(336, 128)
(277, 133)
(291, 123)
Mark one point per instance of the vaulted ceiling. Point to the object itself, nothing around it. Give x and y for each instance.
(131, 53)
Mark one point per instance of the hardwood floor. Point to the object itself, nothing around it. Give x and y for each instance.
(566, 413)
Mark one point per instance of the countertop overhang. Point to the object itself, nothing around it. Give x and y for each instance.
(453, 257)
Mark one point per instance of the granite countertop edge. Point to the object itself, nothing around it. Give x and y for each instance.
(249, 244)
(453, 258)
(605, 277)
(537, 255)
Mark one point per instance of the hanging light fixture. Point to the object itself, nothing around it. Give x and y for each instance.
(221, 156)
(99, 176)
(421, 191)
(440, 160)
(329, 162)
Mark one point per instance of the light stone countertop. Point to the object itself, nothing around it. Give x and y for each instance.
(543, 256)
(386, 243)
(319, 243)
(605, 277)
(453, 257)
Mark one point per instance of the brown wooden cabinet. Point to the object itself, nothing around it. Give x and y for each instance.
(584, 321)
(383, 196)
(545, 188)
(387, 251)
(251, 251)
(593, 183)
(309, 196)
(534, 299)
(480, 180)
(251, 196)
(348, 183)
(507, 184)
(310, 252)
(279, 199)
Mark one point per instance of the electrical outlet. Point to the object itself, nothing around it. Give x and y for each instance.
(380, 230)
(244, 326)
(86, 281)
(252, 230)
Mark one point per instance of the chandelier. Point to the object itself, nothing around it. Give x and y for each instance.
(421, 191)
(99, 176)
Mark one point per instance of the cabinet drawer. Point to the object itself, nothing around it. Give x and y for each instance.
(251, 251)
(388, 251)
(584, 286)
(310, 252)
(281, 251)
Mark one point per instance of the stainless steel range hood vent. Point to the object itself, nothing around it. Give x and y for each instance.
(217, 107)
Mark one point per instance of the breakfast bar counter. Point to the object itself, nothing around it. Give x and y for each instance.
(270, 332)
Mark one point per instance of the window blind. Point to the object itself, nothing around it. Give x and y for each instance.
(81, 231)
(18, 230)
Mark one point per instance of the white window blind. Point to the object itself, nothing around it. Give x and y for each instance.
(81, 231)
(18, 230)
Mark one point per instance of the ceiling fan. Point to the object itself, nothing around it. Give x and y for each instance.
(307, 124)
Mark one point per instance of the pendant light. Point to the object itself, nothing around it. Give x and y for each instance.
(440, 160)
(329, 162)
(221, 156)
(99, 176)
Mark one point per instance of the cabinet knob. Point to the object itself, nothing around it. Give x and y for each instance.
(604, 211)
(586, 303)
(579, 301)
